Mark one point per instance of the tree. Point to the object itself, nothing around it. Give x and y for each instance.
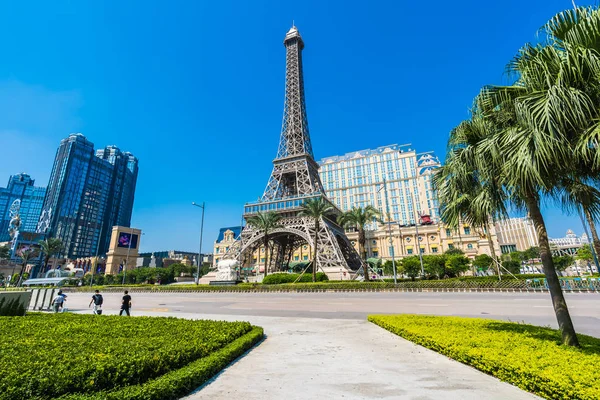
(531, 253)
(563, 262)
(388, 267)
(50, 247)
(511, 266)
(411, 266)
(454, 252)
(26, 254)
(457, 264)
(543, 130)
(358, 218)
(4, 252)
(517, 256)
(483, 262)
(316, 208)
(584, 253)
(265, 222)
(435, 265)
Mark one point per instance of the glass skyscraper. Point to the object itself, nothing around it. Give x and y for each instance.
(21, 187)
(87, 195)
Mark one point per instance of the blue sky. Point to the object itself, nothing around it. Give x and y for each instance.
(195, 89)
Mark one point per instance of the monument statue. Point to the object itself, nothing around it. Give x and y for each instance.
(226, 270)
(14, 225)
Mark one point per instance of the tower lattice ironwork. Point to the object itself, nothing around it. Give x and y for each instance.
(295, 179)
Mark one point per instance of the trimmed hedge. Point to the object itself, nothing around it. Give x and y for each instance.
(454, 283)
(526, 356)
(279, 278)
(45, 356)
(181, 382)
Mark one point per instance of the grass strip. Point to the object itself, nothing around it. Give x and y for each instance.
(183, 381)
(45, 356)
(526, 356)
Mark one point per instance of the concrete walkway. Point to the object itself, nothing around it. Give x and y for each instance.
(342, 359)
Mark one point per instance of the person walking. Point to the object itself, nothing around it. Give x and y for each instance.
(126, 304)
(58, 301)
(97, 300)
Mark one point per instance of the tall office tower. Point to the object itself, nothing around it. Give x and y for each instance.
(87, 195)
(21, 189)
(356, 180)
(124, 178)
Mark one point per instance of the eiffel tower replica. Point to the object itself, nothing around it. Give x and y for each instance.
(295, 179)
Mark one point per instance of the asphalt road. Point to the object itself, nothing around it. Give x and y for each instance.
(533, 308)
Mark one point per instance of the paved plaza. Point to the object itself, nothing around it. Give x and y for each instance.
(320, 344)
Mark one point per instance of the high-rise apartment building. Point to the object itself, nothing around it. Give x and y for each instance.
(516, 234)
(356, 180)
(397, 179)
(87, 195)
(21, 187)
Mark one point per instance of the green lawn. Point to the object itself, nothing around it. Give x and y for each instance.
(46, 356)
(527, 356)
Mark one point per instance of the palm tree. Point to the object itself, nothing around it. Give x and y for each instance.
(469, 190)
(50, 247)
(316, 208)
(580, 195)
(358, 218)
(542, 126)
(26, 255)
(265, 222)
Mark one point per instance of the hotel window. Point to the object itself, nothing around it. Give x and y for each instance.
(409, 251)
(467, 230)
(434, 250)
(305, 257)
(262, 260)
(450, 246)
(448, 233)
(470, 246)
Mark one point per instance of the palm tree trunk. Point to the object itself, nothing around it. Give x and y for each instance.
(21, 274)
(361, 248)
(314, 269)
(492, 250)
(266, 254)
(595, 240)
(561, 310)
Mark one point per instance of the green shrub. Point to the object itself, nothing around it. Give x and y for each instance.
(178, 383)
(279, 278)
(45, 356)
(526, 356)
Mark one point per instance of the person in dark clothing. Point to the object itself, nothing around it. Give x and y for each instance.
(126, 304)
(97, 300)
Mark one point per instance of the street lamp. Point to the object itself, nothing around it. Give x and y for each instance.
(97, 250)
(412, 195)
(200, 247)
(387, 207)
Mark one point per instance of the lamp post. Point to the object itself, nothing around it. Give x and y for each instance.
(97, 250)
(592, 248)
(200, 247)
(387, 208)
(412, 195)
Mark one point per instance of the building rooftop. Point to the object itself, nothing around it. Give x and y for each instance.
(237, 230)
